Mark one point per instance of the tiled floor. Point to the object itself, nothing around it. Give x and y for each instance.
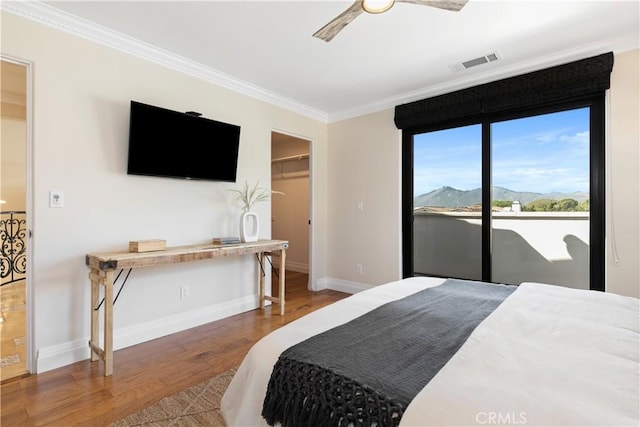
(13, 331)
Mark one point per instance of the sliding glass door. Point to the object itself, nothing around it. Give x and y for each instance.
(509, 199)
(447, 203)
(540, 199)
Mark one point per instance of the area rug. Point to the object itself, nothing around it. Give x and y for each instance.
(198, 405)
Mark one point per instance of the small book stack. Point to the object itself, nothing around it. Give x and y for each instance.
(225, 240)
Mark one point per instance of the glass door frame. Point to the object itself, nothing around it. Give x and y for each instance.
(597, 212)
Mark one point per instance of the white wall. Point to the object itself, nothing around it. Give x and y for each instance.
(364, 164)
(81, 101)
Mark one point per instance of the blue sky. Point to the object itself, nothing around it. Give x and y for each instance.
(541, 154)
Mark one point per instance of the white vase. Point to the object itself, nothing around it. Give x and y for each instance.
(249, 227)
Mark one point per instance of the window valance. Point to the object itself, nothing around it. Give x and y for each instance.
(581, 78)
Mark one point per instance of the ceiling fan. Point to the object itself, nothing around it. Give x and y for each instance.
(329, 31)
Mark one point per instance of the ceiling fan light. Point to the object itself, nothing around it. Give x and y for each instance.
(377, 6)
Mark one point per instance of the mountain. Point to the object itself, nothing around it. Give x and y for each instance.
(449, 197)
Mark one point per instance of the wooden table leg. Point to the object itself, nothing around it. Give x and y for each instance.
(262, 280)
(108, 323)
(282, 274)
(94, 276)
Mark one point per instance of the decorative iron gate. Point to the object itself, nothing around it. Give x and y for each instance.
(13, 252)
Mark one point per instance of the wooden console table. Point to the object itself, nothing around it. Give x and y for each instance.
(103, 265)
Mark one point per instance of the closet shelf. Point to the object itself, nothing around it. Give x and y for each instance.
(289, 158)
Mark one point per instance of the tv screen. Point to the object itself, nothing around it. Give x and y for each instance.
(171, 144)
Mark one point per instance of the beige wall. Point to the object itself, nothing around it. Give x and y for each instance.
(364, 165)
(81, 101)
(364, 170)
(623, 195)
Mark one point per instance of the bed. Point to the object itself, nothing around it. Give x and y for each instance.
(545, 356)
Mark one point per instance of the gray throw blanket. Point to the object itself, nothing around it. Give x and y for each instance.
(367, 371)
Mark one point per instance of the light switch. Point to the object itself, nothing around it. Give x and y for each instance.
(56, 199)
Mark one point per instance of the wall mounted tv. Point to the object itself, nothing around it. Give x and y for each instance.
(172, 144)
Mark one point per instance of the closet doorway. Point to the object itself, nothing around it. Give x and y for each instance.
(14, 227)
(290, 211)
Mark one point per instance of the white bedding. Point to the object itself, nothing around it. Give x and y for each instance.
(547, 355)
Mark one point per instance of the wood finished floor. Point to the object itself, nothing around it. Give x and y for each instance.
(80, 395)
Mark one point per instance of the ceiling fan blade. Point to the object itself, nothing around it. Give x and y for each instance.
(452, 5)
(329, 31)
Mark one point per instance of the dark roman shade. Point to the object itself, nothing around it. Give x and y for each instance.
(584, 78)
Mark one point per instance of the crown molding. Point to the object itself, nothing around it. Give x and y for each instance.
(52, 17)
(494, 71)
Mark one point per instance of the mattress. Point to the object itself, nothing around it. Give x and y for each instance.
(548, 355)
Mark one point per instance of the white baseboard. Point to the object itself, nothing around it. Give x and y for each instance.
(60, 355)
(341, 285)
(56, 356)
(53, 357)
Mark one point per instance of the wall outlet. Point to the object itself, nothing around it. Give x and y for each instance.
(184, 292)
(56, 199)
(359, 268)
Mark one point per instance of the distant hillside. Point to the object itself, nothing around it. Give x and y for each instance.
(449, 197)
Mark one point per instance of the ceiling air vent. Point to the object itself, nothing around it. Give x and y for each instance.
(474, 62)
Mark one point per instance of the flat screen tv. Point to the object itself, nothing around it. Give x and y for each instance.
(172, 144)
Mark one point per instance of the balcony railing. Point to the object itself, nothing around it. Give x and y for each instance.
(548, 247)
(13, 252)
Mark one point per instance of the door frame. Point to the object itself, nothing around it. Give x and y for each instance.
(29, 293)
(311, 278)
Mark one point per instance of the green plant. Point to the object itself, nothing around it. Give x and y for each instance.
(502, 203)
(248, 196)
